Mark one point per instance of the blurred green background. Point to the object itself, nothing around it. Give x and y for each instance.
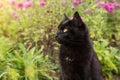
(28, 49)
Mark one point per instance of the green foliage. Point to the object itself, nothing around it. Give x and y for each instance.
(107, 56)
(21, 64)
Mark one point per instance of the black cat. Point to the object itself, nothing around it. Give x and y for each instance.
(77, 57)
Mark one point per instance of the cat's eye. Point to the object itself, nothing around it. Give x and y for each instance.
(65, 30)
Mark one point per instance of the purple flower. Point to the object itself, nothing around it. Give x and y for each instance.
(20, 5)
(109, 7)
(75, 2)
(117, 5)
(42, 3)
(15, 15)
(28, 4)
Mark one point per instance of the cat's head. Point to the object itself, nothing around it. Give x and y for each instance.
(72, 31)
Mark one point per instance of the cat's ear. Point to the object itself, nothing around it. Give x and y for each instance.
(65, 17)
(77, 18)
(65, 20)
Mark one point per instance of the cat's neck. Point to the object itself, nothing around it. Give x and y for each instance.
(87, 45)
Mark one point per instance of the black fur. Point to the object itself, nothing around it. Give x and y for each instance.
(77, 58)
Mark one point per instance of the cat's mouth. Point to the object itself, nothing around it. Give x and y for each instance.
(69, 41)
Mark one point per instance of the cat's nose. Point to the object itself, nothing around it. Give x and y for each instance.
(56, 36)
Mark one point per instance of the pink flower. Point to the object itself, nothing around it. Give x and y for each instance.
(109, 7)
(75, 2)
(1, 4)
(97, 1)
(86, 11)
(82, 18)
(117, 5)
(113, 0)
(15, 15)
(42, 3)
(12, 2)
(28, 4)
(20, 5)
(80, 1)
(64, 3)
